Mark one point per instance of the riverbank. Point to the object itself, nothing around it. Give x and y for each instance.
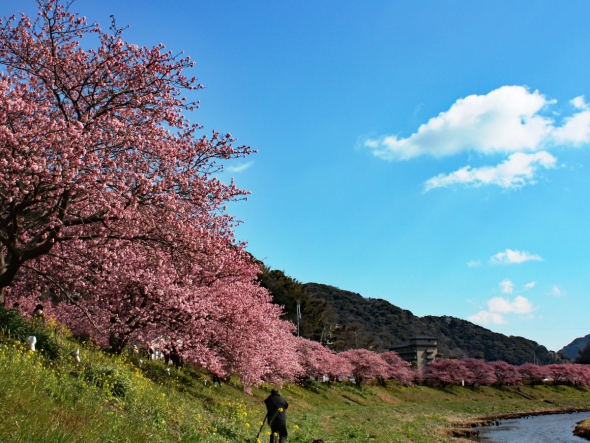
(583, 429)
(108, 398)
(470, 428)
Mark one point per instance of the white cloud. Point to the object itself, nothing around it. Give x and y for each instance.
(498, 307)
(518, 170)
(530, 285)
(576, 128)
(507, 286)
(556, 291)
(504, 120)
(580, 103)
(487, 318)
(511, 257)
(520, 305)
(474, 264)
(239, 168)
(510, 120)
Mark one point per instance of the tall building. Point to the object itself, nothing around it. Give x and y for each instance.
(419, 350)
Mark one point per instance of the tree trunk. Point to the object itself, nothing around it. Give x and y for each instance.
(117, 343)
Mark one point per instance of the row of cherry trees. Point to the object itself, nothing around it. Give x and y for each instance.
(473, 372)
(365, 365)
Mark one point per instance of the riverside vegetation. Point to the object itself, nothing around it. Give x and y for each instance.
(583, 429)
(49, 397)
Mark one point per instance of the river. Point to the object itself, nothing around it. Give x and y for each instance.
(556, 428)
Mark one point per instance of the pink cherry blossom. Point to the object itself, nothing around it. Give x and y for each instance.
(110, 209)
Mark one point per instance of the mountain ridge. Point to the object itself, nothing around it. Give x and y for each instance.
(378, 324)
(571, 350)
(343, 320)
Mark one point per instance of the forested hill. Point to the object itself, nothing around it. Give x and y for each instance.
(354, 321)
(575, 347)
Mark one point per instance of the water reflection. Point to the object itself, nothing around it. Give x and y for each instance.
(555, 428)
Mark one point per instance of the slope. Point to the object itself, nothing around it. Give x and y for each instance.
(355, 321)
(572, 350)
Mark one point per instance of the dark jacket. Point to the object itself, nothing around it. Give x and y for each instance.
(273, 403)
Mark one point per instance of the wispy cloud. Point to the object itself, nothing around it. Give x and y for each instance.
(530, 285)
(239, 168)
(507, 121)
(474, 264)
(507, 286)
(556, 291)
(499, 307)
(513, 257)
(518, 170)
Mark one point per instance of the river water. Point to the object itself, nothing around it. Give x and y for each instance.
(555, 428)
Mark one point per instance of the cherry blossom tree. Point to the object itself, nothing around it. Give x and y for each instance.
(317, 360)
(533, 373)
(399, 369)
(573, 374)
(444, 372)
(94, 143)
(505, 373)
(109, 207)
(482, 373)
(366, 365)
(558, 373)
(339, 366)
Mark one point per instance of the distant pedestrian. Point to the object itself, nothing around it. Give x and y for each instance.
(38, 312)
(277, 418)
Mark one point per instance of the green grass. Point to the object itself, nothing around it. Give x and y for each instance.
(108, 398)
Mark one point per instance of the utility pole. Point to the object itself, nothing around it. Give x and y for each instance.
(298, 317)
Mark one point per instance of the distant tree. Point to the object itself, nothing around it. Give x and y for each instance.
(339, 366)
(584, 355)
(366, 365)
(399, 369)
(578, 375)
(483, 373)
(559, 373)
(352, 335)
(532, 373)
(505, 373)
(315, 359)
(288, 292)
(445, 372)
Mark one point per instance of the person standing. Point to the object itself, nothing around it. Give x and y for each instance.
(276, 415)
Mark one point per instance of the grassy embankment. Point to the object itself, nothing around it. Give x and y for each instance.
(48, 397)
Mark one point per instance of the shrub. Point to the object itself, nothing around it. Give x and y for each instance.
(109, 378)
(14, 325)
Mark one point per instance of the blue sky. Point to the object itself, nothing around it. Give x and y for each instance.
(433, 154)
